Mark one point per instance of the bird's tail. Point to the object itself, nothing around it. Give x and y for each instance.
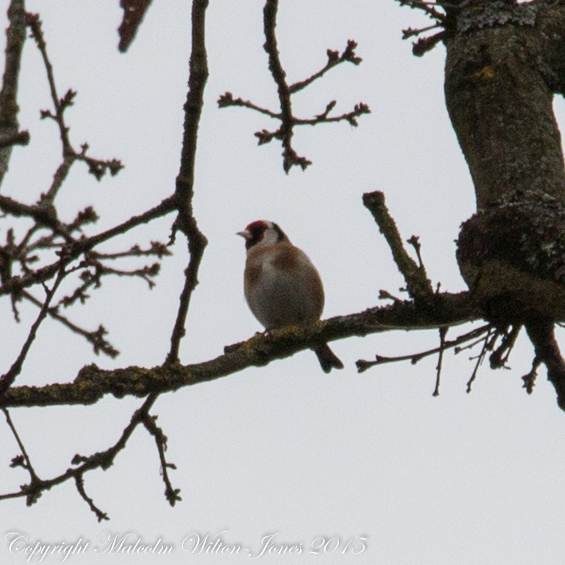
(328, 359)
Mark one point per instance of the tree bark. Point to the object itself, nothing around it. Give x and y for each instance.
(504, 64)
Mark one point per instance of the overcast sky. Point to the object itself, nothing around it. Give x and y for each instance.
(285, 450)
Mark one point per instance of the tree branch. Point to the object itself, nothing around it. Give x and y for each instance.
(290, 157)
(15, 39)
(186, 221)
(542, 335)
(101, 460)
(92, 383)
(286, 117)
(417, 283)
(8, 378)
(334, 59)
(363, 365)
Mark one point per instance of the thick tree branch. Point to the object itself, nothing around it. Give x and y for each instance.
(15, 39)
(92, 383)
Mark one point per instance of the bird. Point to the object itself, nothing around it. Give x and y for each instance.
(282, 286)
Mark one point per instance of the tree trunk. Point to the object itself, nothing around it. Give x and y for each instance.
(504, 64)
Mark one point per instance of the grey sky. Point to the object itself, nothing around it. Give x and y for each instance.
(284, 449)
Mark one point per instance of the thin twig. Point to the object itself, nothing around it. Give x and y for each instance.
(186, 222)
(227, 99)
(350, 117)
(95, 166)
(9, 377)
(27, 461)
(427, 7)
(79, 482)
(334, 59)
(442, 334)
(499, 357)
(286, 130)
(96, 338)
(34, 23)
(17, 284)
(101, 460)
(171, 494)
(363, 365)
(290, 156)
(480, 358)
(418, 285)
(386, 295)
(530, 378)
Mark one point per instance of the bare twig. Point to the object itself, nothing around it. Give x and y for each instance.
(499, 357)
(9, 377)
(386, 295)
(407, 33)
(530, 378)
(417, 283)
(290, 157)
(427, 7)
(60, 104)
(286, 130)
(227, 99)
(541, 333)
(171, 494)
(96, 338)
(363, 365)
(95, 166)
(425, 44)
(414, 241)
(442, 334)
(186, 222)
(101, 460)
(488, 344)
(323, 118)
(17, 284)
(25, 461)
(79, 482)
(165, 207)
(334, 59)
